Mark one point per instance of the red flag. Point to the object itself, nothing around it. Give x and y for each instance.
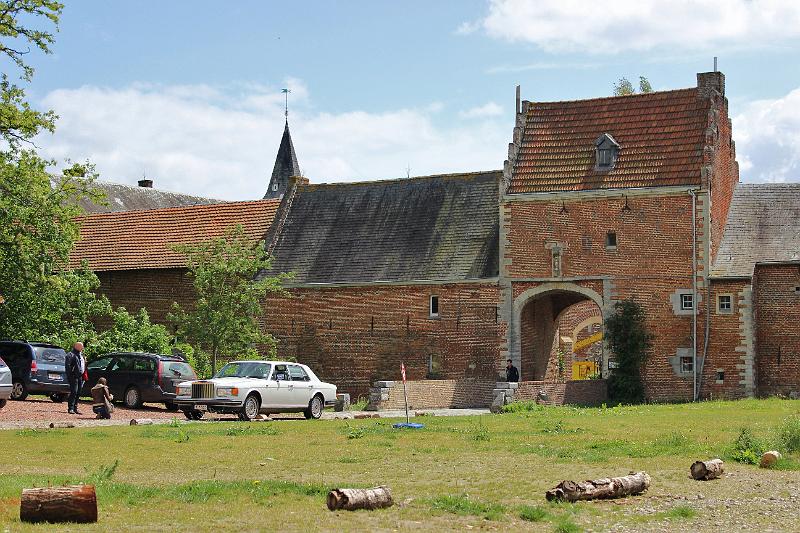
(403, 371)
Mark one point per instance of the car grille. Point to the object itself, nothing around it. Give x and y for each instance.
(202, 390)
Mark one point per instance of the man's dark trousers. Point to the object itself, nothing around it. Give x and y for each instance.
(74, 391)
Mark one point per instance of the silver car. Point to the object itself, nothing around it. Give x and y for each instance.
(5, 383)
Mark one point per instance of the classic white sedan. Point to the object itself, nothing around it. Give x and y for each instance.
(248, 388)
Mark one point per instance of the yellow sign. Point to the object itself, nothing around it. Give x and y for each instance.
(583, 369)
(588, 341)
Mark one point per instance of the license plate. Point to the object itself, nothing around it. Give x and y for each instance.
(201, 407)
(54, 377)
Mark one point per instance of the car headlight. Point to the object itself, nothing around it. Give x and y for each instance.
(227, 391)
(183, 391)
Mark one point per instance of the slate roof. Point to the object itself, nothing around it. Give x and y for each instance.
(763, 226)
(285, 166)
(438, 228)
(120, 197)
(661, 137)
(132, 240)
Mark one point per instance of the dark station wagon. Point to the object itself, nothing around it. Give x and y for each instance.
(135, 378)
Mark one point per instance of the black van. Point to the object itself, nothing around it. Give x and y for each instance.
(135, 378)
(36, 368)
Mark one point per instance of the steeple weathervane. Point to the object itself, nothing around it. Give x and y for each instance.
(286, 103)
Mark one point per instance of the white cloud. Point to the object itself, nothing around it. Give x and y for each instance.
(221, 141)
(489, 109)
(767, 135)
(603, 27)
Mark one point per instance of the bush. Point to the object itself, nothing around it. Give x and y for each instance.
(789, 434)
(628, 338)
(131, 333)
(747, 448)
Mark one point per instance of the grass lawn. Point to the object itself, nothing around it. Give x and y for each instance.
(458, 473)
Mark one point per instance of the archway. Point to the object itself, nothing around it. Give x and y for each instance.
(551, 319)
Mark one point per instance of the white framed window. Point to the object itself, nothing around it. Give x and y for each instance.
(725, 304)
(433, 306)
(274, 186)
(687, 365)
(687, 301)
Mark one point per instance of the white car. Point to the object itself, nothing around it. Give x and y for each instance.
(249, 388)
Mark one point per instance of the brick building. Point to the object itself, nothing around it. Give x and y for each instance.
(600, 200)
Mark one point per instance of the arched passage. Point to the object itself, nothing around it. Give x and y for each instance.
(547, 320)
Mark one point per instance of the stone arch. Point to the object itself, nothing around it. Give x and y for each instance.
(534, 313)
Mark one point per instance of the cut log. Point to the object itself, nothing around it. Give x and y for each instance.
(59, 504)
(353, 499)
(61, 425)
(705, 470)
(600, 489)
(769, 459)
(141, 421)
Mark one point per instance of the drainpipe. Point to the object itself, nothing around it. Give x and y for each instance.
(694, 294)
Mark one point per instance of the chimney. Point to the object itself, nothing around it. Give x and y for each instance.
(708, 82)
(146, 183)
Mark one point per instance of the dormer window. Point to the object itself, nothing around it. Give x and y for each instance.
(606, 149)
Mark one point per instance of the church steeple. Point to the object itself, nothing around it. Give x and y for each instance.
(285, 166)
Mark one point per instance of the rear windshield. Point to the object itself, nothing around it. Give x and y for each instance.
(49, 355)
(177, 369)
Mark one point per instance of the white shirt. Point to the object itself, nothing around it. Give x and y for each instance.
(83, 362)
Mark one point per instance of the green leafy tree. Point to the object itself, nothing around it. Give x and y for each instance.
(227, 315)
(628, 338)
(131, 332)
(624, 87)
(40, 296)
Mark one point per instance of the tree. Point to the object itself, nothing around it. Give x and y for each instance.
(627, 337)
(226, 317)
(40, 297)
(624, 87)
(131, 333)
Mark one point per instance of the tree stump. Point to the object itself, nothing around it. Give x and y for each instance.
(141, 421)
(77, 503)
(600, 489)
(705, 470)
(353, 499)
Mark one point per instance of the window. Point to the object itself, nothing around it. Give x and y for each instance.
(434, 366)
(687, 365)
(606, 152)
(99, 364)
(296, 373)
(434, 306)
(275, 187)
(281, 373)
(687, 302)
(720, 376)
(724, 304)
(144, 365)
(611, 239)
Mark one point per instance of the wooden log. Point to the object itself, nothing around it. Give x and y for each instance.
(769, 459)
(77, 503)
(705, 470)
(141, 421)
(61, 425)
(600, 489)
(353, 499)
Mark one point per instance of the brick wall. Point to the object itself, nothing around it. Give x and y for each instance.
(433, 394)
(573, 392)
(152, 289)
(354, 336)
(777, 317)
(724, 170)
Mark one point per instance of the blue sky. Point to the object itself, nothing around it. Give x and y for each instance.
(189, 92)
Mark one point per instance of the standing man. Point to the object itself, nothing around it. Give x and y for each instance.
(512, 374)
(74, 365)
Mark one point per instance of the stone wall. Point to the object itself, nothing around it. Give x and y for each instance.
(573, 392)
(432, 394)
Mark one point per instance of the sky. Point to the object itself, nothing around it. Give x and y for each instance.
(189, 92)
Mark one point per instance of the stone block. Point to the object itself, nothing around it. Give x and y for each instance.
(384, 384)
(342, 402)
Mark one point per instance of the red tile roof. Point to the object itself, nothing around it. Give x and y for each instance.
(132, 240)
(661, 137)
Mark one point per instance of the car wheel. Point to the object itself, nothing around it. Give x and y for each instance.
(19, 391)
(314, 408)
(58, 397)
(3, 403)
(250, 408)
(132, 398)
(171, 406)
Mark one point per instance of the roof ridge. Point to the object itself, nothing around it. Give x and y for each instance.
(615, 97)
(412, 178)
(139, 188)
(220, 205)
